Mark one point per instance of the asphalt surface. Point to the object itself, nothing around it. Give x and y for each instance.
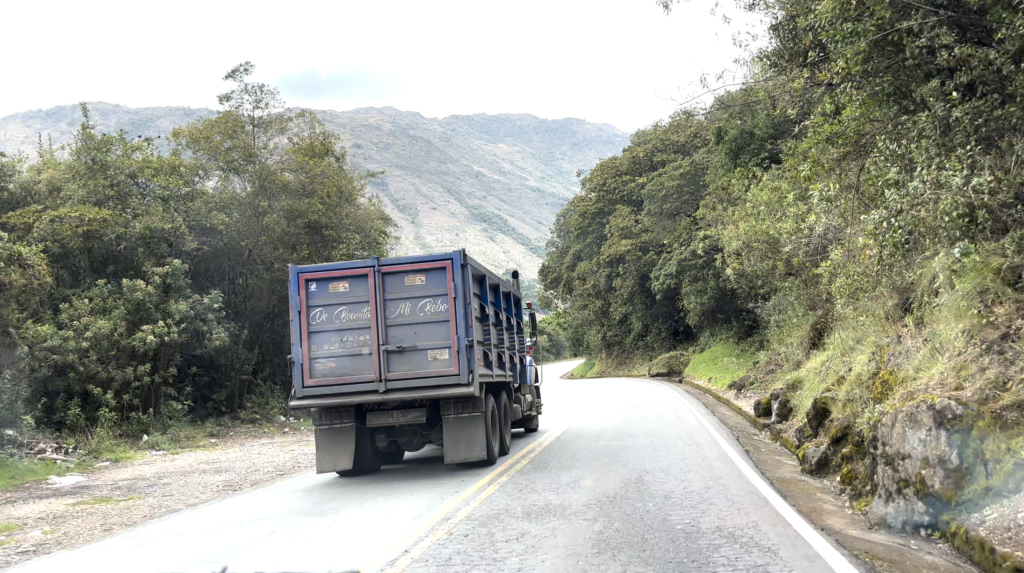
(624, 475)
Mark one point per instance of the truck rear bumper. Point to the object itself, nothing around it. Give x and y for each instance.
(376, 397)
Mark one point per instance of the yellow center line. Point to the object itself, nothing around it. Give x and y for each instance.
(375, 564)
(442, 530)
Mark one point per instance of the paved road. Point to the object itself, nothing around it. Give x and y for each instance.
(625, 475)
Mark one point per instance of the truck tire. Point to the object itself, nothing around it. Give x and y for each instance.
(367, 458)
(505, 410)
(393, 457)
(531, 423)
(492, 430)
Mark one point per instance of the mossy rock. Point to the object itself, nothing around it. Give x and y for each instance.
(862, 504)
(838, 430)
(816, 459)
(763, 407)
(779, 435)
(819, 412)
(782, 409)
(803, 434)
(981, 551)
(741, 383)
(669, 365)
(884, 385)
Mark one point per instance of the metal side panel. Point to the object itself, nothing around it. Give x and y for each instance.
(335, 448)
(295, 319)
(464, 438)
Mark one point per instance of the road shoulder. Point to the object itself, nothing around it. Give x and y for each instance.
(46, 517)
(814, 500)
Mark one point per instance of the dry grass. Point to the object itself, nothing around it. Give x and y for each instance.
(963, 339)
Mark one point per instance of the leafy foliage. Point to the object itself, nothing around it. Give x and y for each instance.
(808, 211)
(142, 288)
(554, 341)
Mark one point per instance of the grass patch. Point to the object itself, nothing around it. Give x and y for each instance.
(14, 471)
(669, 365)
(185, 436)
(103, 500)
(6, 528)
(584, 369)
(301, 423)
(49, 532)
(721, 364)
(103, 446)
(606, 366)
(8, 541)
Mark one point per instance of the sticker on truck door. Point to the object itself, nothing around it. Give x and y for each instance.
(412, 280)
(341, 286)
(441, 354)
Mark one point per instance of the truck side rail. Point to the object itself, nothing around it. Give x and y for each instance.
(377, 397)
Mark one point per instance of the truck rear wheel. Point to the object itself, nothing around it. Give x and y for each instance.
(367, 458)
(531, 424)
(505, 446)
(492, 429)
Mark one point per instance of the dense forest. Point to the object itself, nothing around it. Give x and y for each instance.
(848, 219)
(140, 288)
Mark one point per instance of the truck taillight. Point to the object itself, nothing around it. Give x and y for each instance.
(529, 350)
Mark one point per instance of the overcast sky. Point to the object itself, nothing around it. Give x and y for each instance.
(617, 62)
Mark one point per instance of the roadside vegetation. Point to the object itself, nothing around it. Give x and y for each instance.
(553, 340)
(144, 293)
(15, 471)
(849, 222)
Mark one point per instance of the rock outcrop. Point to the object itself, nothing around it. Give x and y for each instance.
(919, 467)
(763, 407)
(781, 407)
(740, 383)
(819, 412)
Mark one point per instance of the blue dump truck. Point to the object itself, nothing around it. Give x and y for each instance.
(394, 354)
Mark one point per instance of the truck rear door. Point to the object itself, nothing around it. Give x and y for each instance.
(418, 322)
(339, 327)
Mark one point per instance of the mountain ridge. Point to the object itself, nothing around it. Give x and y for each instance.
(491, 183)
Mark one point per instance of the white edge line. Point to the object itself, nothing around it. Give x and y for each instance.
(829, 553)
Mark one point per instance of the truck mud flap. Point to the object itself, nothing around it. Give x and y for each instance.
(335, 448)
(464, 439)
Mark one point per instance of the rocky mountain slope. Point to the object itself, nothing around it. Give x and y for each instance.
(490, 183)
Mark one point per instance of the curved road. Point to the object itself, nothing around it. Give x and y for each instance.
(625, 475)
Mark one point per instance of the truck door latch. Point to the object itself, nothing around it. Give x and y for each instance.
(400, 347)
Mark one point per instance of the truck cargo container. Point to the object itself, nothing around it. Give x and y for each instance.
(395, 354)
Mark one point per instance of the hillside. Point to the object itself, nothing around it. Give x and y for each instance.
(490, 183)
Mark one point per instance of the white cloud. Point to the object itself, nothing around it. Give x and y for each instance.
(610, 61)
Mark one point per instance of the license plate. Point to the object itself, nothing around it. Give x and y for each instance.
(395, 417)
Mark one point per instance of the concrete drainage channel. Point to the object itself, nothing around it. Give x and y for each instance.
(774, 455)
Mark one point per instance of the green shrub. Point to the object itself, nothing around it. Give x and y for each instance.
(584, 369)
(119, 351)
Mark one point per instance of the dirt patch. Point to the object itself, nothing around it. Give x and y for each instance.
(1002, 524)
(50, 518)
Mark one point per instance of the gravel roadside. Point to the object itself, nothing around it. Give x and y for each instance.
(117, 496)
